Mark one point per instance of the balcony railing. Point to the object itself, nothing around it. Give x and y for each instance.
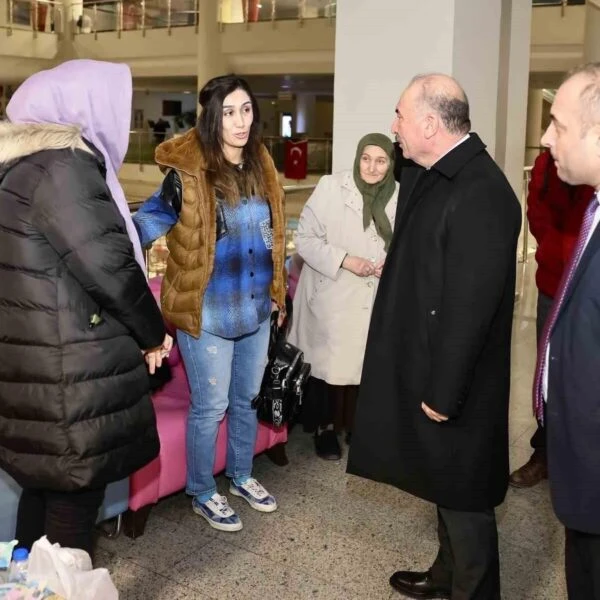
(143, 142)
(252, 11)
(33, 15)
(131, 15)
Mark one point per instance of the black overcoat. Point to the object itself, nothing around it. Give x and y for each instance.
(440, 334)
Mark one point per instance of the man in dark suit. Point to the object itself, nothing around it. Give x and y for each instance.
(568, 373)
(433, 408)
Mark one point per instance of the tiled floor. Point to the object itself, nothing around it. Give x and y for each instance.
(336, 536)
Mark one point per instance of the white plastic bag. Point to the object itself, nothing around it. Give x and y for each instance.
(68, 572)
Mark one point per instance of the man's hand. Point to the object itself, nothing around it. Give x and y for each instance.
(434, 416)
(359, 266)
(379, 268)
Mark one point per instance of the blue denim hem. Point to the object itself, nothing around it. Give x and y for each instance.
(240, 480)
(203, 496)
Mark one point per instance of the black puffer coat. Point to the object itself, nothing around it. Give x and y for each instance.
(75, 312)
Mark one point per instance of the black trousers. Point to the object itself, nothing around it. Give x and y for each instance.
(67, 518)
(325, 404)
(582, 565)
(467, 562)
(544, 304)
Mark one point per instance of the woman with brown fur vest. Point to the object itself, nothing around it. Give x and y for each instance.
(225, 275)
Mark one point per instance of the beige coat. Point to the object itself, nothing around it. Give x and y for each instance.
(332, 306)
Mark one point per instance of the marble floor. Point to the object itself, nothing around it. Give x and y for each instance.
(335, 536)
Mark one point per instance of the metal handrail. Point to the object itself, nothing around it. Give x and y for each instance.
(291, 189)
(34, 15)
(93, 17)
(525, 240)
(300, 11)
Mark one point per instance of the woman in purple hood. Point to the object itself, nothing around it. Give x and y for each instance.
(76, 313)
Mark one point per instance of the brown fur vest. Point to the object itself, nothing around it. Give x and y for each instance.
(192, 240)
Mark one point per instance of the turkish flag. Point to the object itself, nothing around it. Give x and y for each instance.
(296, 163)
(252, 8)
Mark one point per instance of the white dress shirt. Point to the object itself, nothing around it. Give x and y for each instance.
(463, 139)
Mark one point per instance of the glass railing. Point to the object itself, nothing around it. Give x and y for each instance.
(38, 17)
(252, 11)
(141, 146)
(130, 15)
(143, 142)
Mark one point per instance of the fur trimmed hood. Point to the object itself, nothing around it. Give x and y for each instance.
(18, 140)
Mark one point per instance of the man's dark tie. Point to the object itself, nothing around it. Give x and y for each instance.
(567, 277)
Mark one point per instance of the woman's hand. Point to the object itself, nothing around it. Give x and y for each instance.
(359, 266)
(379, 268)
(154, 356)
(281, 317)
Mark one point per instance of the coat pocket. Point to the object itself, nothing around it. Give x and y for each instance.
(432, 325)
(321, 283)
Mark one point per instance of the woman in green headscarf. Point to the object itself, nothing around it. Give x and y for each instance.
(343, 235)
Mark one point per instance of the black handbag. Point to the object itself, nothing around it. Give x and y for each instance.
(284, 380)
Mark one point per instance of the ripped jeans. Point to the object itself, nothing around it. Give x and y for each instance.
(224, 375)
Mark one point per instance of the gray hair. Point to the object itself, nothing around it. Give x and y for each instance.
(589, 98)
(445, 96)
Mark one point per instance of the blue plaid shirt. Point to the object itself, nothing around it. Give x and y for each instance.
(237, 299)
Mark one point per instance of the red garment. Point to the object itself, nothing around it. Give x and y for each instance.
(554, 210)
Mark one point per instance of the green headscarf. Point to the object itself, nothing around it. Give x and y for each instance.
(376, 195)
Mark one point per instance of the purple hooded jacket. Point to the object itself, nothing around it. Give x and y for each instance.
(94, 95)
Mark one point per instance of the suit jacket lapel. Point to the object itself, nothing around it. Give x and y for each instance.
(590, 250)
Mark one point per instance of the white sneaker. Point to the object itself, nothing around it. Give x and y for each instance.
(218, 513)
(255, 494)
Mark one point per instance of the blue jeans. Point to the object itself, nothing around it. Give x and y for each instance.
(224, 375)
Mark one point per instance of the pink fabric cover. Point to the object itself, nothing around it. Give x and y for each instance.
(167, 473)
(294, 270)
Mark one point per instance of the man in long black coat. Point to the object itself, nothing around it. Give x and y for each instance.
(433, 408)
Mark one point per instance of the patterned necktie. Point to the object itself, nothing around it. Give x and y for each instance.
(567, 277)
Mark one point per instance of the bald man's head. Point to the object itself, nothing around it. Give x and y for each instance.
(432, 116)
(443, 95)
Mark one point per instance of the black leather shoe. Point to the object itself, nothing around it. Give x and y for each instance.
(418, 585)
(327, 445)
(348, 438)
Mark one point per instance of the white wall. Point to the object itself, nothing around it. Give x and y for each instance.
(397, 40)
(271, 109)
(475, 61)
(151, 104)
(592, 31)
(380, 45)
(513, 88)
